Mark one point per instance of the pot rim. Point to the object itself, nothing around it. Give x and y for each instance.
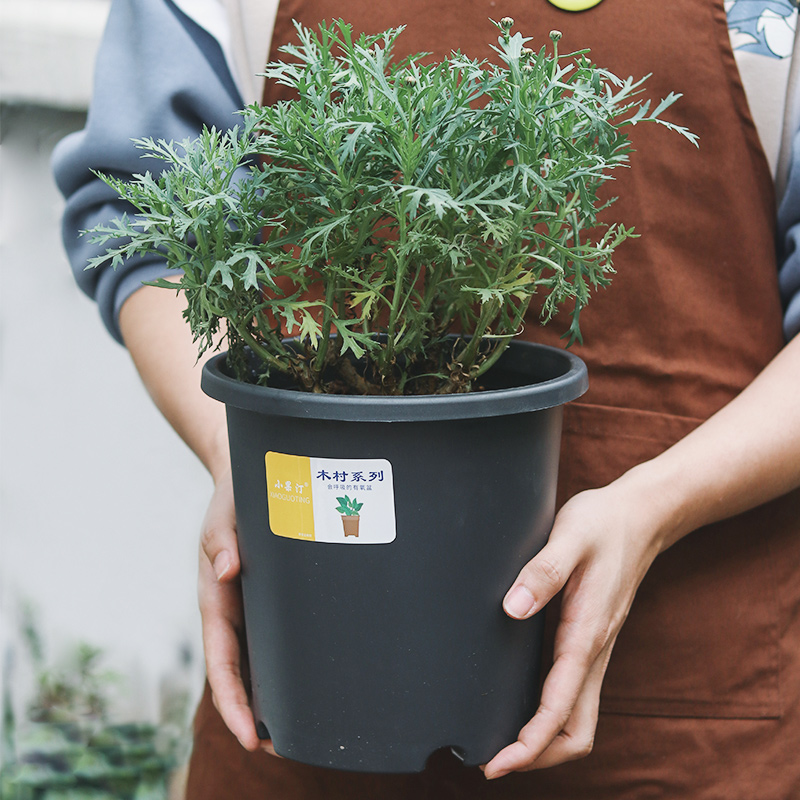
(565, 379)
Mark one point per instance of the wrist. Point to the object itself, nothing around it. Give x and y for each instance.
(656, 494)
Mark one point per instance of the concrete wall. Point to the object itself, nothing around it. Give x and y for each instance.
(47, 50)
(100, 502)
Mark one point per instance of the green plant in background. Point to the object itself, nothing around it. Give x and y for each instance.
(411, 212)
(68, 748)
(348, 507)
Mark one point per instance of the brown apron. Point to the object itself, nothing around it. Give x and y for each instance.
(701, 695)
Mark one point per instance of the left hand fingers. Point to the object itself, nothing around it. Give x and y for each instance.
(598, 559)
(564, 725)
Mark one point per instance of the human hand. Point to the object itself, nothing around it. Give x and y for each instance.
(220, 598)
(602, 544)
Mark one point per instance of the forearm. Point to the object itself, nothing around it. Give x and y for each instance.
(160, 343)
(745, 455)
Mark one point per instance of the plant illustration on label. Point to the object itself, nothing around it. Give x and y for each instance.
(349, 509)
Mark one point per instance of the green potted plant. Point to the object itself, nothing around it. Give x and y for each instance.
(370, 251)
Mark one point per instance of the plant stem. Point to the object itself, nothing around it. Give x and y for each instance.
(489, 313)
(261, 352)
(327, 326)
(500, 346)
(400, 273)
(351, 376)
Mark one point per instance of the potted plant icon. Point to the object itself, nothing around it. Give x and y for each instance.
(349, 509)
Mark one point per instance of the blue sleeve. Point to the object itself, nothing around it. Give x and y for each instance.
(789, 244)
(158, 74)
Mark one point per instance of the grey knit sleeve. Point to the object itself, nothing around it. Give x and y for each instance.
(158, 74)
(789, 244)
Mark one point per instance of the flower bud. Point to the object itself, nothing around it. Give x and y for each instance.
(410, 80)
(526, 52)
(507, 23)
(555, 35)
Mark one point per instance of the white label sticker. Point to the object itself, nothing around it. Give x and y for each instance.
(341, 500)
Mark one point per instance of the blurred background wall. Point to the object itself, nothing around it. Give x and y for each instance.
(100, 502)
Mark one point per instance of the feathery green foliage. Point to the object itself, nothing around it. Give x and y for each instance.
(396, 218)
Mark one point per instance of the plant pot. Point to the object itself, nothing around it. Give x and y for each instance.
(369, 652)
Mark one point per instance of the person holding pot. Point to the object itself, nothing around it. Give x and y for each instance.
(675, 555)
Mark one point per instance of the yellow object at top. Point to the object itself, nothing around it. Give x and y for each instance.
(575, 5)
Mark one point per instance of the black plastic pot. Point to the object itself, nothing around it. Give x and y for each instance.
(369, 650)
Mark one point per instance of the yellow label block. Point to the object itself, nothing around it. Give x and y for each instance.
(574, 5)
(291, 507)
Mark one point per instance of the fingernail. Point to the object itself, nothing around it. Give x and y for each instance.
(222, 563)
(495, 775)
(519, 602)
